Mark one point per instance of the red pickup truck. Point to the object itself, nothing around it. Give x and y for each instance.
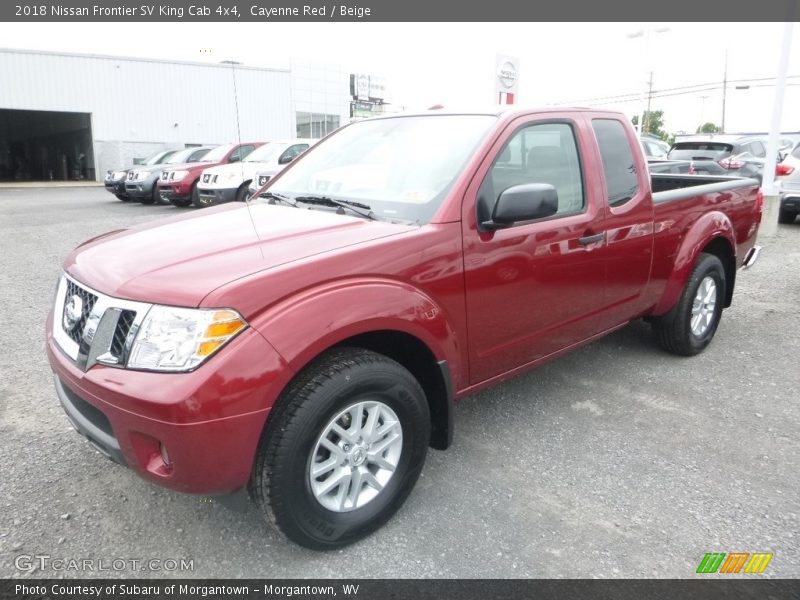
(310, 345)
(178, 184)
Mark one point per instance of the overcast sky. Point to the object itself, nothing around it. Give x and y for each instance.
(453, 63)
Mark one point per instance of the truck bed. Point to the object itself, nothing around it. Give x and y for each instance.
(669, 187)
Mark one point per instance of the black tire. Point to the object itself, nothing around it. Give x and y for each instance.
(786, 217)
(194, 198)
(153, 198)
(122, 197)
(280, 480)
(673, 331)
(241, 193)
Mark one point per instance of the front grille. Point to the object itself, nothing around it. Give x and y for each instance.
(124, 324)
(87, 303)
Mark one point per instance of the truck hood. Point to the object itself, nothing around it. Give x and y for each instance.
(188, 166)
(241, 171)
(180, 260)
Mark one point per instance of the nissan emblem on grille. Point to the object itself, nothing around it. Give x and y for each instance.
(73, 310)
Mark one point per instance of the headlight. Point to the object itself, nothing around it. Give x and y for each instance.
(178, 175)
(179, 339)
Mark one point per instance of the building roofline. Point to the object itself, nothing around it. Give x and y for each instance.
(139, 59)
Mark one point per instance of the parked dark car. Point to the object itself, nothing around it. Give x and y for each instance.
(141, 181)
(115, 180)
(714, 154)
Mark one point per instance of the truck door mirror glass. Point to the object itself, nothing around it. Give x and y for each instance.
(524, 203)
(285, 159)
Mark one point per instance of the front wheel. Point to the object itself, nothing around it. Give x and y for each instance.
(242, 192)
(688, 328)
(342, 450)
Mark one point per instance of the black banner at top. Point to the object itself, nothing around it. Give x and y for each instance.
(384, 589)
(395, 10)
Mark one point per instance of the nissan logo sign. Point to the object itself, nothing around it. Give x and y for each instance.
(507, 74)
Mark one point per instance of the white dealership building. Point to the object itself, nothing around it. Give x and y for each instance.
(64, 116)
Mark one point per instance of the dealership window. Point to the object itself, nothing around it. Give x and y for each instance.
(315, 125)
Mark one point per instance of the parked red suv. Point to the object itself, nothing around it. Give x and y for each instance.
(178, 184)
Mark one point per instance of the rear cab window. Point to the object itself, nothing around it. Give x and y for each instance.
(619, 164)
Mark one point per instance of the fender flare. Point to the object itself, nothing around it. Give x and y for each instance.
(340, 310)
(710, 226)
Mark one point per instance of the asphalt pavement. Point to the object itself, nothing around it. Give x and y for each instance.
(618, 460)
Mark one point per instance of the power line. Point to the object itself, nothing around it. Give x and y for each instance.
(686, 89)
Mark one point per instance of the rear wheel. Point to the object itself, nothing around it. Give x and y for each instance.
(786, 216)
(691, 324)
(342, 450)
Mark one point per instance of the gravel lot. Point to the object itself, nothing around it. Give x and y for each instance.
(616, 461)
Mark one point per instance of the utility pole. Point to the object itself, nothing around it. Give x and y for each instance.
(649, 98)
(724, 91)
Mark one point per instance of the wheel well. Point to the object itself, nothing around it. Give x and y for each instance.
(433, 376)
(721, 248)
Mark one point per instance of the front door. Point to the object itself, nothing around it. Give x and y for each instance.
(536, 287)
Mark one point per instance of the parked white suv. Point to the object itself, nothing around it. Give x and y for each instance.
(228, 183)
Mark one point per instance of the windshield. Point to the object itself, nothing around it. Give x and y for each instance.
(401, 168)
(265, 153)
(158, 157)
(218, 153)
(181, 156)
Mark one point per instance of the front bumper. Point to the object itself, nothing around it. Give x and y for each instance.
(175, 191)
(194, 432)
(139, 189)
(210, 197)
(116, 187)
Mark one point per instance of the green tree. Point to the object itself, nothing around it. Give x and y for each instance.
(653, 123)
(708, 128)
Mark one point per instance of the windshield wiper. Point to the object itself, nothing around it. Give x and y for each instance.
(272, 196)
(348, 204)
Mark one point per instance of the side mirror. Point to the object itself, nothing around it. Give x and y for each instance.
(782, 154)
(523, 203)
(285, 160)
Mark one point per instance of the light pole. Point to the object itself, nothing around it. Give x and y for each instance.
(648, 84)
(772, 201)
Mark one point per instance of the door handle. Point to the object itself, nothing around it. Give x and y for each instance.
(591, 239)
